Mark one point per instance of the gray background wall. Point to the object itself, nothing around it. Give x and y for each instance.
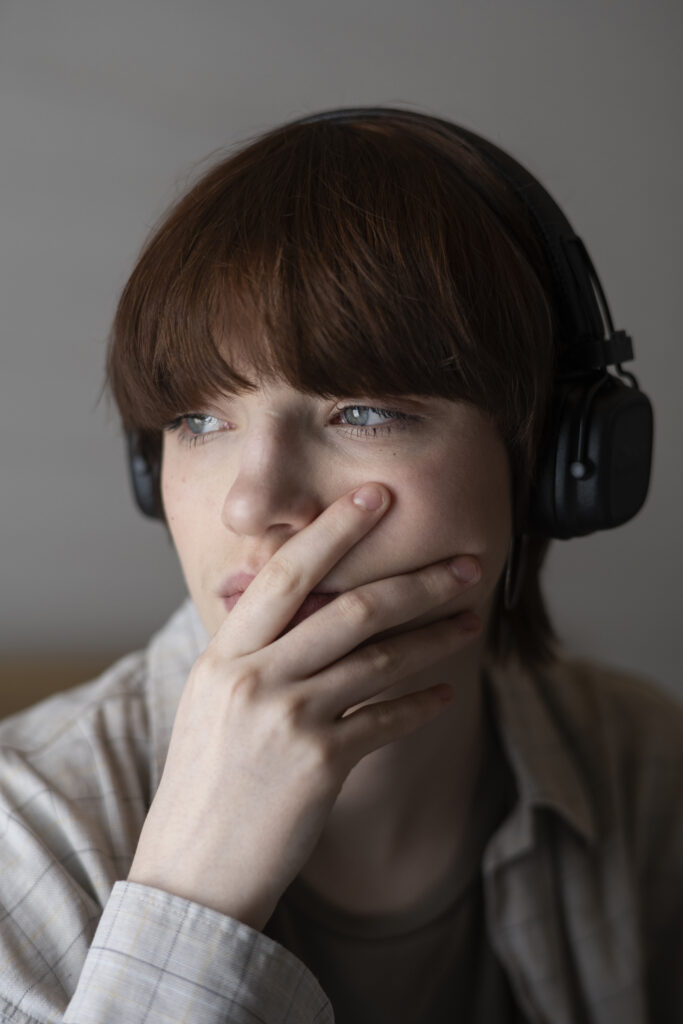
(107, 111)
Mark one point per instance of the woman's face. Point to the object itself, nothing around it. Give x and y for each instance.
(266, 464)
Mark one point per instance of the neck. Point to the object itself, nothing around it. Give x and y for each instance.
(409, 801)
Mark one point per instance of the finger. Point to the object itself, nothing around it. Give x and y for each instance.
(335, 630)
(378, 724)
(365, 673)
(277, 592)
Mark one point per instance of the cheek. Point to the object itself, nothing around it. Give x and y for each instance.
(478, 498)
(182, 505)
(172, 489)
(458, 504)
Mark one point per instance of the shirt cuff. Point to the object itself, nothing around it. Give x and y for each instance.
(160, 959)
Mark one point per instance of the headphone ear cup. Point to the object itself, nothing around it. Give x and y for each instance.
(144, 475)
(614, 459)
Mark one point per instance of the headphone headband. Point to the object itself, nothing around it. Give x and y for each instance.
(593, 469)
(583, 345)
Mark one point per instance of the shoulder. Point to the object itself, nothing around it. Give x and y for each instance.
(73, 796)
(622, 735)
(601, 742)
(601, 719)
(77, 774)
(630, 734)
(626, 735)
(624, 713)
(108, 737)
(74, 769)
(117, 694)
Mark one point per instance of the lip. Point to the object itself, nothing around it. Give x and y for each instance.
(236, 583)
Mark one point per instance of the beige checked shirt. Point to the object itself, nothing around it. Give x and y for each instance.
(583, 879)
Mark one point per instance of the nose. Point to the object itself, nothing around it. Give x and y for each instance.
(273, 486)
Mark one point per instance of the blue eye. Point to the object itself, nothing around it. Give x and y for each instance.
(198, 420)
(364, 428)
(189, 427)
(196, 428)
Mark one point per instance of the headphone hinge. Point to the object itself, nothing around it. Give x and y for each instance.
(597, 353)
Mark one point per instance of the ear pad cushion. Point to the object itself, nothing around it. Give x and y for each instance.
(144, 476)
(616, 456)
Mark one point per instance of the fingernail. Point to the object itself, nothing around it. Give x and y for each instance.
(464, 569)
(368, 497)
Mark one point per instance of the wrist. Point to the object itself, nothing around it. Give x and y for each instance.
(252, 913)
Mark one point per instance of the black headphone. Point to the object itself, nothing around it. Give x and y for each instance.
(593, 469)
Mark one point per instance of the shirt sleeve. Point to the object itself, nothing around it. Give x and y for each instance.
(160, 959)
(80, 945)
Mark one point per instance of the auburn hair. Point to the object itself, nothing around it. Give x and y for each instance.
(373, 255)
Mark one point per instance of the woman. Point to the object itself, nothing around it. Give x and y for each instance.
(352, 779)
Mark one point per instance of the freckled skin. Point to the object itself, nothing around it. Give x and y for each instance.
(238, 497)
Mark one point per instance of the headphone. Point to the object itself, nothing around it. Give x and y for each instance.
(593, 467)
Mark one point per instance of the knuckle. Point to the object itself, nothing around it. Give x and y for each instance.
(296, 715)
(356, 608)
(437, 582)
(209, 667)
(246, 683)
(297, 709)
(281, 576)
(323, 753)
(325, 748)
(380, 658)
(385, 714)
(206, 664)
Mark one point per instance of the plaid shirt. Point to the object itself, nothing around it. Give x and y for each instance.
(583, 879)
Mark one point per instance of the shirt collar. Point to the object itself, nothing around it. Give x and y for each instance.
(546, 770)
